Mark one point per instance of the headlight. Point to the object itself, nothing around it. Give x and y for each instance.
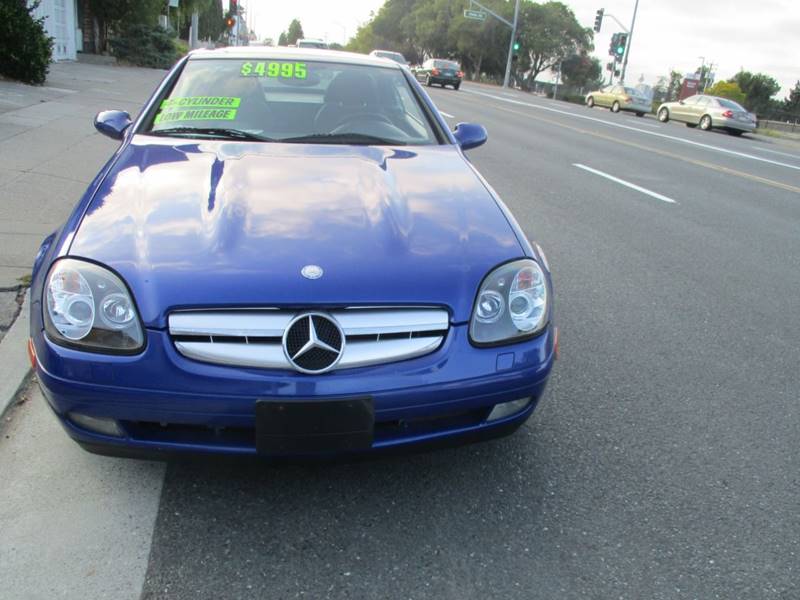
(88, 307)
(511, 304)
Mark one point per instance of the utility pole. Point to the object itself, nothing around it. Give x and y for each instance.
(472, 14)
(558, 77)
(630, 38)
(507, 77)
(706, 79)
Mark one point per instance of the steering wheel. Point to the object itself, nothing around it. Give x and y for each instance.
(369, 116)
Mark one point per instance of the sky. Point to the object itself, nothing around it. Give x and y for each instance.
(759, 35)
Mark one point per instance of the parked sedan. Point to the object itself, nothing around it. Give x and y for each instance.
(439, 71)
(709, 112)
(618, 97)
(289, 254)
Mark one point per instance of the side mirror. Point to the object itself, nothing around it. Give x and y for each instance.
(470, 135)
(681, 102)
(112, 123)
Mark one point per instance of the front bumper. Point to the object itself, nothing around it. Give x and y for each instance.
(165, 403)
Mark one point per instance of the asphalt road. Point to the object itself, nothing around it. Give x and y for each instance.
(663, 461)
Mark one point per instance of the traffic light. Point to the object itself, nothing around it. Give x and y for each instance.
(516, 45)
(598, 19)
(612, 47)
(622, 41)
(230, 22)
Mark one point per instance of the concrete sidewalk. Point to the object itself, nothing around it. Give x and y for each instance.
(49, 150)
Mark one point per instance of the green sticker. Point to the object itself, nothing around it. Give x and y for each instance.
(201, 101)
(196, 114)
(286, 70)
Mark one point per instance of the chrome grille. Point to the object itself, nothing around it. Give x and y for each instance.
(254, 338)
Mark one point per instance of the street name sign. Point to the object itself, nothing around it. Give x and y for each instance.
(475, 14)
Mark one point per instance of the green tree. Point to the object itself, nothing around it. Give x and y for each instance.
(674, 86)
(758, 89)
(660, 90)
(704, 75)
(295, 32)
(282, 39)
(792, 103)
(24, 44)
(581, 70)
(727, 89)
(549, 33)
(113, 15)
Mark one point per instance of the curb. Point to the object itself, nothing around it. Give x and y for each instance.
(14, 362)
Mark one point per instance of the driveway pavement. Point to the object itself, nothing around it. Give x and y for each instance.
(49, 150)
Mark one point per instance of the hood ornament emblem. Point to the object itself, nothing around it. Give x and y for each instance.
(311, 271)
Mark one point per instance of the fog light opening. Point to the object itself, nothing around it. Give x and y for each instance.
(101, 425)
(506, 409)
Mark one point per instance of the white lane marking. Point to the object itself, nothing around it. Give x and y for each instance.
(653, 125)
(776, 152)
(448, 115)
(633, 186)
(655, 133)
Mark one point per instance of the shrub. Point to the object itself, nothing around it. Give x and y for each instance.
(727, 89)
(145, 46)
(573, 98)
(25, 47)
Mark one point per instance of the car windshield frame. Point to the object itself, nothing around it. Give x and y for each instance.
(435, 135)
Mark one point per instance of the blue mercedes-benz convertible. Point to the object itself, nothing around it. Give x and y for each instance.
(289, 255)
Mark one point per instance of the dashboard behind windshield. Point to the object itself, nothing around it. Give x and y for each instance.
(292, 99)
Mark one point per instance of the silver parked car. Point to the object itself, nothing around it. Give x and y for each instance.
(709, 112)
(618, 97)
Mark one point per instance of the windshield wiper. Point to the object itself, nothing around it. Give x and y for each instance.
(217, 132)
(358, 139)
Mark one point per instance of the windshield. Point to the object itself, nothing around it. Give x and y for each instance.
(312, 44)
(280, 100)
(724, 102)
(395, 56)
(445, 64)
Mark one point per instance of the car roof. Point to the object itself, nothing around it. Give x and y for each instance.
(282, 53)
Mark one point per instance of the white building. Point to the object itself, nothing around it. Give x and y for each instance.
(61, 22)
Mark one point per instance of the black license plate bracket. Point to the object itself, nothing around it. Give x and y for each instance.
(314, 426)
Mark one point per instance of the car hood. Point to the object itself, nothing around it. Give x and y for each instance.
(220, 224)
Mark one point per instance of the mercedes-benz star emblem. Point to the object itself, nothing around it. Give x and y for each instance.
(313, 343)
(311, 271)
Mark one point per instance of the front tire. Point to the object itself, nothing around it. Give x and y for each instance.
(663, 115)
(639, 114)
(615, 107)
(705, 123)
(590, 102)
(456, 86)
